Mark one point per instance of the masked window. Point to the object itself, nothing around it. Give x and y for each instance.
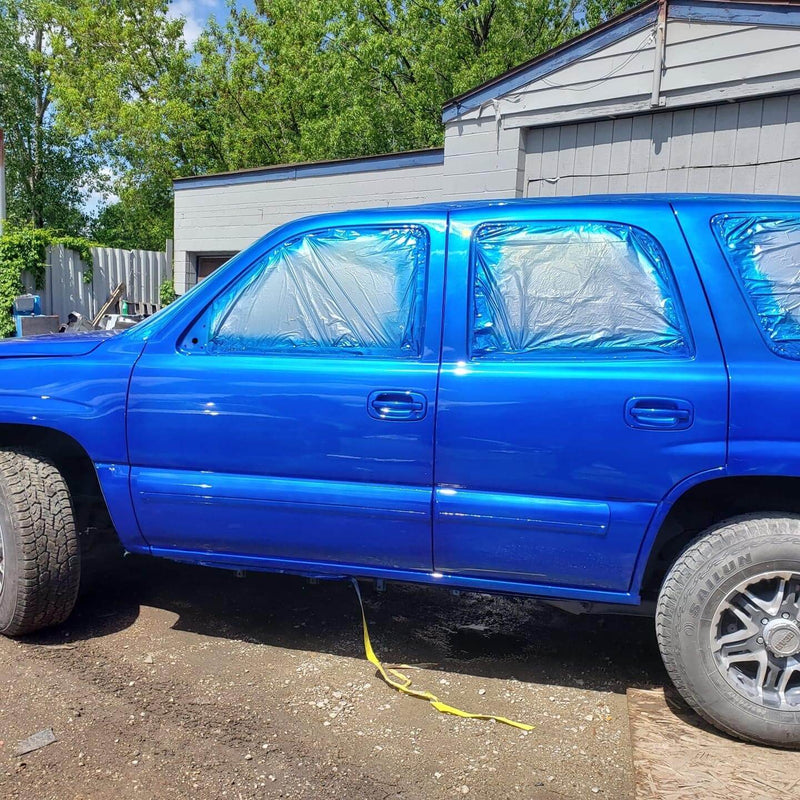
(356, 291)
(573, 288)
(764, 253)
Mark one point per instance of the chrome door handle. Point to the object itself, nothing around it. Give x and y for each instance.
(659, 413)
(389, 404)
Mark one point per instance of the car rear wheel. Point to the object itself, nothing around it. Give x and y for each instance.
(728, 626)
(39, 553)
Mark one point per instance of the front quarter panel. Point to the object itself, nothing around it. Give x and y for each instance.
(83, 397)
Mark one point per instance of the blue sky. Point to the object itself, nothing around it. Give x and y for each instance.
(196, 12)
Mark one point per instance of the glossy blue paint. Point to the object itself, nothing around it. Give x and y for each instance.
(248, 420)
(115, 485)
(82, 396)
(54, 344)
(551, 540)
(341, 570)
(547, 476)
(555, 427)
(288, 518)
(659, 413)
(764, 413)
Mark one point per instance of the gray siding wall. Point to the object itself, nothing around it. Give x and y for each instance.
(66, 289)
(751, 146)
(704, 63)
(228, 218)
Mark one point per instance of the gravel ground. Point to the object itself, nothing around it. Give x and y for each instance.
(173, 681)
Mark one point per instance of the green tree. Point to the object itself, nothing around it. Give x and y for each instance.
(120, 71)
(140, 218)
(332, 78)
(281, 82)
(49, 172)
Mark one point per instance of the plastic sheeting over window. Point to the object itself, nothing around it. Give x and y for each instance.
(358, 290)
(764, 252)
(570, 287)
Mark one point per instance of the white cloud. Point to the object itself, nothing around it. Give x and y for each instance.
(195, 13)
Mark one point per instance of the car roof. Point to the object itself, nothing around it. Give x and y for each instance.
(734, 202)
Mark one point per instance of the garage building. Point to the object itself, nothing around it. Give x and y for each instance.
(674, 95)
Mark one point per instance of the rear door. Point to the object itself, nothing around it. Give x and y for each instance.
(291, 421)
(581, 380)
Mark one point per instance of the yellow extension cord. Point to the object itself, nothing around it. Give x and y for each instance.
(402, 683)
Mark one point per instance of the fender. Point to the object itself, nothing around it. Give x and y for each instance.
(662, 509)
(80, 392)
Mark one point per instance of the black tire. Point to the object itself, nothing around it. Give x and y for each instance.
(694, 613)
(41, 556)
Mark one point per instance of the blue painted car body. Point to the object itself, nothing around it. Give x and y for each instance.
(545, 476)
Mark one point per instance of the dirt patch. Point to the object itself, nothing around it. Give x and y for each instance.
(175, 681)
(678, 756)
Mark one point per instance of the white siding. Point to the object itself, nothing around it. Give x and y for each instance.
(704, 62)
(482, 161)
(752, 146)
(226, 219)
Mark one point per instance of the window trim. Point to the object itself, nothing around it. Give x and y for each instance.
(593, 355)
(198, 337)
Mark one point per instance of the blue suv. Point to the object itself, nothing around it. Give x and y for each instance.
(590, 400)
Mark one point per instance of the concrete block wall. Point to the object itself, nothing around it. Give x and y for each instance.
(224, 214)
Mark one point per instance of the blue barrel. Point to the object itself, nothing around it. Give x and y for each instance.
(26, 305)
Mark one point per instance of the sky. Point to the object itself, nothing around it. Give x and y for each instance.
(196, 12)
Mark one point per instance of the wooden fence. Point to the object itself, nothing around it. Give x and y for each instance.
(142, 272)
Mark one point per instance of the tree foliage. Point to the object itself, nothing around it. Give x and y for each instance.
(49, 172)
(140, 219)
(114, 82)
(294, 81)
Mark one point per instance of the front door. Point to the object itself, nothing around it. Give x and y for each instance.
(291, 420)
(581, 380)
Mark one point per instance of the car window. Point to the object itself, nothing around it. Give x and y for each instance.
(573, 288)
(764, 253)
(356, 291)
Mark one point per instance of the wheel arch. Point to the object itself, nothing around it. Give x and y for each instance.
(700, 502)
(72, 461)
(100, 491)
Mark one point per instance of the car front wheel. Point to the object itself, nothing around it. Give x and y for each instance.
(39, 553)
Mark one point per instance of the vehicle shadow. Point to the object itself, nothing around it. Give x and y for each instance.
(475, 634)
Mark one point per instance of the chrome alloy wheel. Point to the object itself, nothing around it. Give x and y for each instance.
(755, 639)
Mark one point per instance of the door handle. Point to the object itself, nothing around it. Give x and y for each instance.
(388, 404)
(659, 413)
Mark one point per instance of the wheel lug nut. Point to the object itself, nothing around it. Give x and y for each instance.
(760, 640)
(785, 615)
(764, 621)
